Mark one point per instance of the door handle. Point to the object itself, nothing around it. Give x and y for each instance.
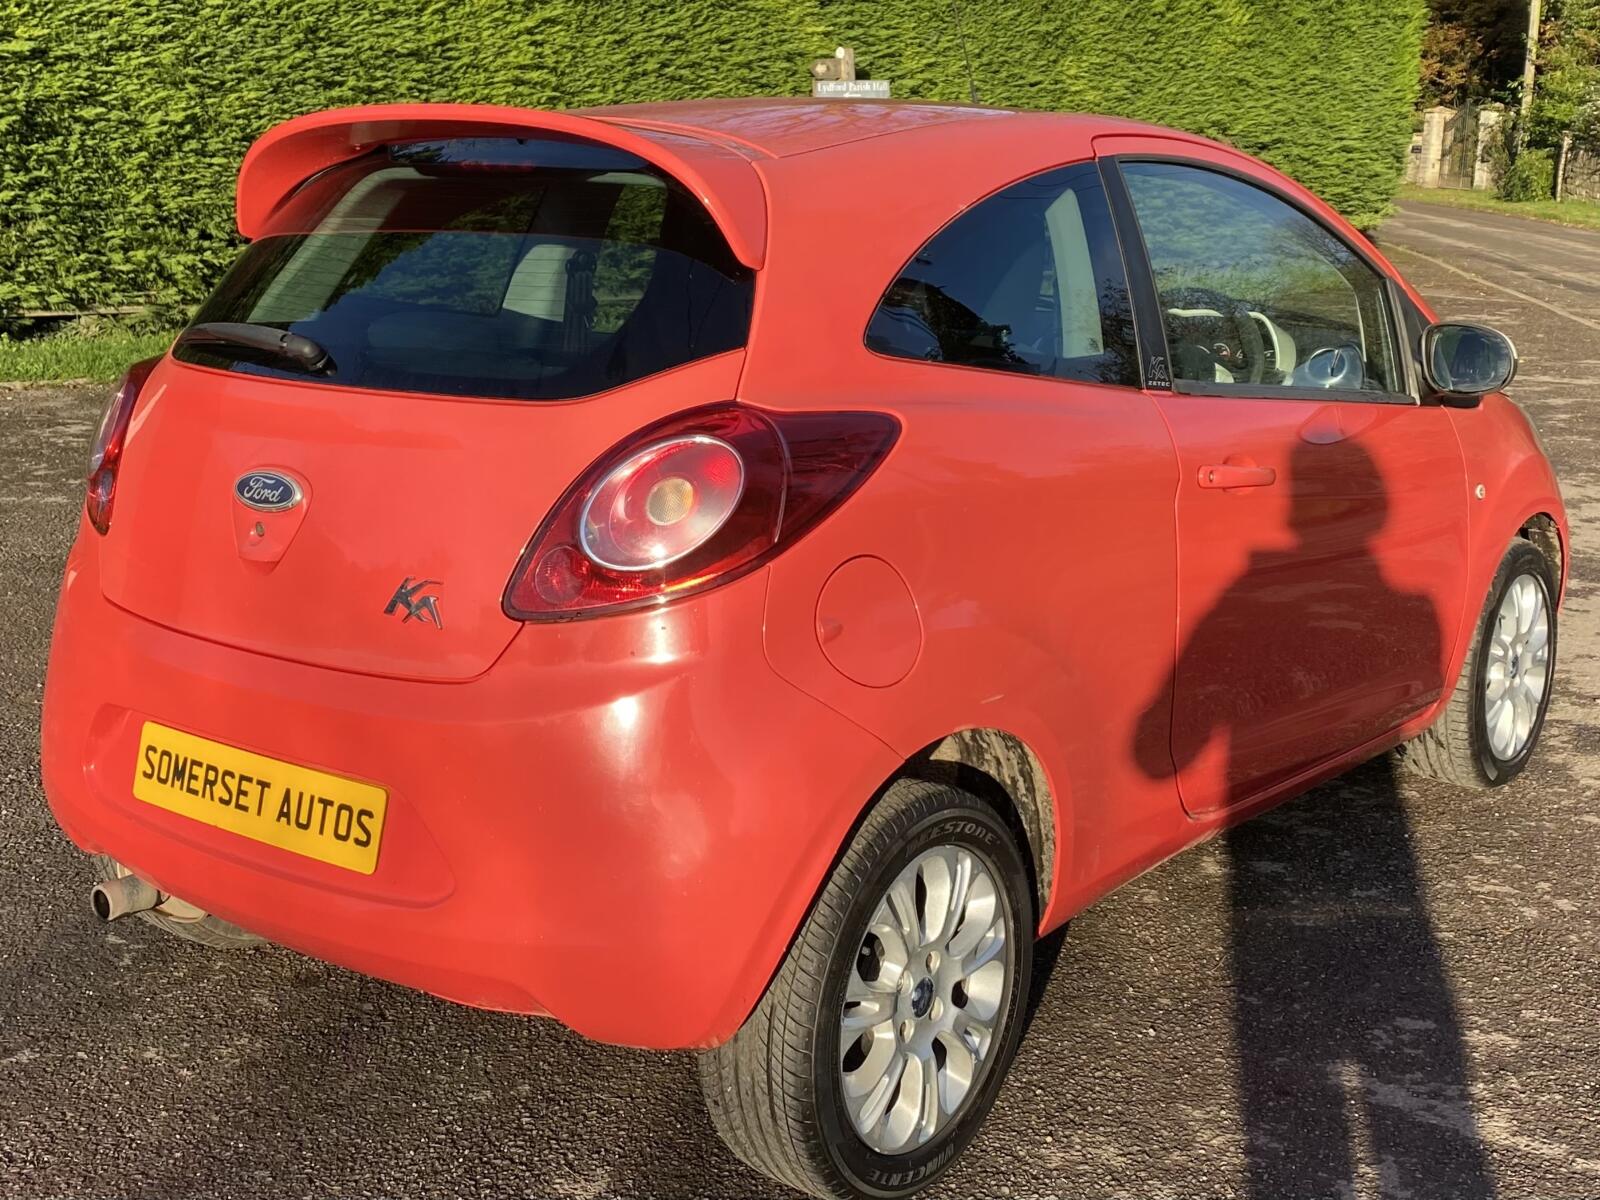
(1236, 475)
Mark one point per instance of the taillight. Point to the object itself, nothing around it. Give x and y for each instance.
(690, 503)
(105, 454)
(661, 503)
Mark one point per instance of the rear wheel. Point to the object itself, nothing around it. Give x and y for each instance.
(1488, 731)
(879, 1046)
(181, 919)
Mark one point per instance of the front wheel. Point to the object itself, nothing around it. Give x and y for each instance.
(1487, 732)
(879, 1046)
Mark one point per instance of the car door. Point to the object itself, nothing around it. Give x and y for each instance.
(1321, 509)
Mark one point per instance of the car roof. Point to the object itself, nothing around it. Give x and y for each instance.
(779, 127)
(726, 152)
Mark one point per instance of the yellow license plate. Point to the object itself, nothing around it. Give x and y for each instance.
(321, 816)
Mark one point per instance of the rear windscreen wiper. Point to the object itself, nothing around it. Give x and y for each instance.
(304, 352)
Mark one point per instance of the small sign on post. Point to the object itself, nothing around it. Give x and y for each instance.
(836, 78)
(851, 89)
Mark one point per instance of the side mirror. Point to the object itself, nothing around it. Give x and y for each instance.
(1463, 362)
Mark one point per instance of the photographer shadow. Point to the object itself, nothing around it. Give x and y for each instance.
(1352, 1070)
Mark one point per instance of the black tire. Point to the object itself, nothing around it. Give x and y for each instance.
(1456, 748)
(206, 929)
(774, 1091)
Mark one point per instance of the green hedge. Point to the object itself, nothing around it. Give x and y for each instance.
(1531, 176)
(122, 122)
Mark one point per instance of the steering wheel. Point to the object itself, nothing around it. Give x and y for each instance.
(1332, 367)
(1253, 349)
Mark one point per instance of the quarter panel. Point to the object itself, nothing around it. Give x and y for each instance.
(1032, 522)
(1031, 518)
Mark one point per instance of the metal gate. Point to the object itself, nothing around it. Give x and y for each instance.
(1458, 156)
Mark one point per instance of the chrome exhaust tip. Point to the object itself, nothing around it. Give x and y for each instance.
(113, 898)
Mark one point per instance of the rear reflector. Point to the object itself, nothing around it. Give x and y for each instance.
(691, 503)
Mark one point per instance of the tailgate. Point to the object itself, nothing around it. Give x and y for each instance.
(397, 487)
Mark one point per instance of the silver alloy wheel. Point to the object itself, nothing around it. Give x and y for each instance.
(926, 991)
(1518, 670)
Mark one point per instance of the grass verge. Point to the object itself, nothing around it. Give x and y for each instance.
(101, 357)
(1579, 213)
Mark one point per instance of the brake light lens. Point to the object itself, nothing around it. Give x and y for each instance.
(661, 503)
(105, 453)
(691, 503)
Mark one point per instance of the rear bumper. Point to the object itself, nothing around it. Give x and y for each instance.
(620, 824)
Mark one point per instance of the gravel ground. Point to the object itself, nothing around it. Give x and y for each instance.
(1385, 988)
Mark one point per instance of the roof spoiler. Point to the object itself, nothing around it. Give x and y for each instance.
(287, 155)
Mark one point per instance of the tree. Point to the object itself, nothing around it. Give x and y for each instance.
(1568, 84)
(1471, 50)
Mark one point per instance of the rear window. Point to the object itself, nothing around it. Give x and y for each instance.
(537, 269)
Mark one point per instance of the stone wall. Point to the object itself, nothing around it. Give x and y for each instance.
(1582, 179)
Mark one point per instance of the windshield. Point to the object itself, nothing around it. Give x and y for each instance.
(521, 268)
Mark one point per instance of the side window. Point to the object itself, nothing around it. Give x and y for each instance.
(1255, 292)
(1029, 280)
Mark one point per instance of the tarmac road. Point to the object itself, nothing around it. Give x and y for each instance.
(1383, 989)
(1552, 264)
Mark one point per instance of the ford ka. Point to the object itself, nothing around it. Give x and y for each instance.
(729, 575)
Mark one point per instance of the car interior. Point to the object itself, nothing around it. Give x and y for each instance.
(522, 280)
(1254, 291)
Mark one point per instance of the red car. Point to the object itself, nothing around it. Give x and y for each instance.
(729, 575)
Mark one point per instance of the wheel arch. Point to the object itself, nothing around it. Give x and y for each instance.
(995, 765)
(1542, 523)
(1545, 532)
(1005, 772)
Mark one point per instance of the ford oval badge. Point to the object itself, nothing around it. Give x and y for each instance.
(267, 491)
